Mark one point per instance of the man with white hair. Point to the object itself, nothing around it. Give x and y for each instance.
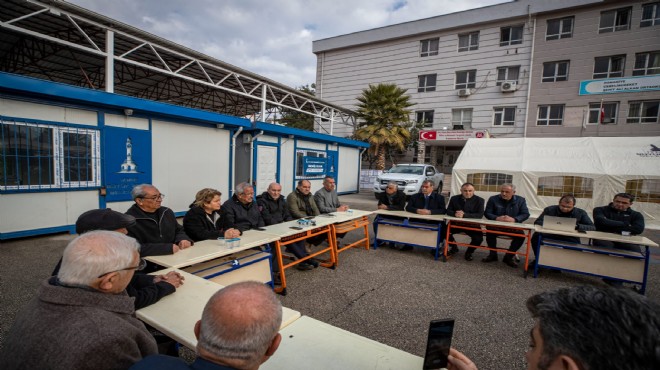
(240, 211)
(83, 317)
(239, 329)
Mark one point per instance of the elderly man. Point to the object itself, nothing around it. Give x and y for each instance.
(301, 202)
(466, 205)
(326, 198)
(619, 218)
(240, 212)
(147, 289)
(588, 327)
(426, 202)
(156, 227)
(239, 329)
(83, 318)
(274, 210)
(506, 207)
(392, 198)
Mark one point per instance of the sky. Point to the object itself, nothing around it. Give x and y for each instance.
(272, 38)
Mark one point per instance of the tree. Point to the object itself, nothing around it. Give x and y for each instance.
(385, 120)
(295, 119)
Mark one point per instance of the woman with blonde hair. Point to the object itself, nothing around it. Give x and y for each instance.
(204, 221)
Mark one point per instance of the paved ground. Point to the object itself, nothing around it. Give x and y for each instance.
(386, 295)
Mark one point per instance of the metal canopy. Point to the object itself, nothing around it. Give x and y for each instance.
(58, 41)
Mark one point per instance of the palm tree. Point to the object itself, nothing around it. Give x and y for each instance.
(385, 116)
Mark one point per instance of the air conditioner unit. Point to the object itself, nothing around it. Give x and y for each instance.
(464, 92)
(509, 86)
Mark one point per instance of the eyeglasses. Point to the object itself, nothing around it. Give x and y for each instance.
(141, 265)
(155, 197)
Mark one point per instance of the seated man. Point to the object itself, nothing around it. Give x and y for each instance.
(588, 327)
(239, 329)
(83, 318)
(156, 226)
(426, 202)
(505, 207)
(274, 210)
(240, 212)
(301, 202)
(566, 208)
(392, 198)
(147, 289)
(326, 198)
(618, 218)
(466, 205)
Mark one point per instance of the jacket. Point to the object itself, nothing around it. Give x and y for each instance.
(162, 362)
(608, 219)
(201, 226)
(300, 205)
(516, 207)
(583, 221)
(156, 237)
(241, 216)
(398, 200)
(326, 201)
(273, 211)
(436, 203)
(472, 207)
(75, 328)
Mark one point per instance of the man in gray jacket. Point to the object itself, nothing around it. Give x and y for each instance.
(82, 318)
(326, 198)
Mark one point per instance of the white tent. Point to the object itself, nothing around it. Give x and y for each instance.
(541, 169)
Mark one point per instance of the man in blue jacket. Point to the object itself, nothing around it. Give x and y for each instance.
(505, 207)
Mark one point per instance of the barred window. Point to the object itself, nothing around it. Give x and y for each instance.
(556, 186)
(490, 181)
(40, 156)
(644, 190)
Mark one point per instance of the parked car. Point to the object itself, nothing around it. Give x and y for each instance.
(409, 177)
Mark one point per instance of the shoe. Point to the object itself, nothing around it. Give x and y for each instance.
(468, 256)
(313, 262)
(509, 262)
(490, 258)
(406, 248)
(452, 251)
(304, 266)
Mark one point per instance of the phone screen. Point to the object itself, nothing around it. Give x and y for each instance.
(437, 346)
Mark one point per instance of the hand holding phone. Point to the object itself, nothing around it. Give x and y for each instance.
(438, 344)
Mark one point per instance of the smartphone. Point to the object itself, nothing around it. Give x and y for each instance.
(260, 228)
(437, 346)
(309, 217)
(296, 227)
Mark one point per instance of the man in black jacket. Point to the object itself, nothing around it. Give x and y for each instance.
(466, 205)
(426, 202)
(392, 198)
(240, 212)
(274, 210)
(505, 207)
(619, 218)
(156, 227)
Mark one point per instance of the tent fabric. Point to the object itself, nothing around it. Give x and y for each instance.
(609, 161)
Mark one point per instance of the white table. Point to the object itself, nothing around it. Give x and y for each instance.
(176, 314)
(348, 221)
(407, 231)
(311, 344)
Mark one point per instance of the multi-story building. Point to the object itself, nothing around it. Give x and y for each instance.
(507, 70)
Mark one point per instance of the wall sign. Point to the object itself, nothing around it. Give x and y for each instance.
(314, 166)
(127, 154)
(620, 85)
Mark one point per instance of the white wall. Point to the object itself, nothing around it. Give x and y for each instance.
(349, 160)
(46, 112)
(116, 120)
(287, 165)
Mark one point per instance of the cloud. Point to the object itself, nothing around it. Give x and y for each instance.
(271, 38)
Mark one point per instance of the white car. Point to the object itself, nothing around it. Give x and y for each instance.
(409, 177)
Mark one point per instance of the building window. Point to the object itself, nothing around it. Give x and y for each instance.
(305, 168)
(555, 71)
(39, 156)
(466, 79)
(511, 35)
(643, 112)
(426, 83)
(507, 74)
(650, 15)
(429, 47)
(550, 115)
(425, 117)
(468, 41)
(556, 186)
(461, 119)
(490, 181)
(644, 190)
(647, 64)
(504, 116)
(615, 20)
(607, 67)
(561, 28)
(604, 113)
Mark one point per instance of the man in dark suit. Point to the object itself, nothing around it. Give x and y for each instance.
(466, 205)
(426, 202)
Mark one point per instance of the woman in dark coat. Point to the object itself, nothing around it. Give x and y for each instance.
(203, 221)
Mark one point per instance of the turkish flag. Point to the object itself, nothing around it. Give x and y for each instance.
(427, 135)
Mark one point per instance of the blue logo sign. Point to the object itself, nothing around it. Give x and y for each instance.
(127, 155)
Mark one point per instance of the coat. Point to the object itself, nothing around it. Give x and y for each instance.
(201, 226)
(398, 201)
(156, 237)
(273, 211)
(436, 203)
(241, 216)
(298, 202)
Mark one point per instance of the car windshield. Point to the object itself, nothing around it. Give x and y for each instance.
(413, 170)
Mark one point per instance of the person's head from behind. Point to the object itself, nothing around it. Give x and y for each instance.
(392, 188)
(102, 260)
(591, 328)
(567, 203)
(104, 219)
(274, 190)
(467, 190)
(329, 183)
(623, 201)
(304, 186)
(240, 326)
(208, 199)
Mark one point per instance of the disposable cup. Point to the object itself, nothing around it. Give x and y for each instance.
(222, 242)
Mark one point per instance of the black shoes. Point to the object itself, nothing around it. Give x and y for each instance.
(406, 248)
(468, 256)
(452, 251)
(508, 260)
(304, 266)
(490, 258)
